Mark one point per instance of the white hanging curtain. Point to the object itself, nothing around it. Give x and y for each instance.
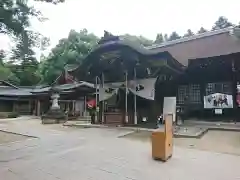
(144, 88)
(104, 93)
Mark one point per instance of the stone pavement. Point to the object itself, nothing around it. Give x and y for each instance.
(214, 125)
(179, 131)
(97, 154)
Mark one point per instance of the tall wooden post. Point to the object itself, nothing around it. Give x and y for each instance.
(97, 99)
(30, 106)
(135, 98)
(85, 106)
(38, 108)
(126, 96)
(73, 107)
(103, 105)
(234, 90)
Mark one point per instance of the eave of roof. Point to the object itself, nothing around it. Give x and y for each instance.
(64, 87)
(14, 92)
(9, 84)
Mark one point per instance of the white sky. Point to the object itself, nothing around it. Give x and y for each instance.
(142, 17)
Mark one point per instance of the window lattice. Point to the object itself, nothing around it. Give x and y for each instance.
(182, 93)
(194, 93)
(225, 88)
(191, 91)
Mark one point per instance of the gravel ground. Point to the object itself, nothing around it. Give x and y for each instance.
(9, 137)
(216, 141)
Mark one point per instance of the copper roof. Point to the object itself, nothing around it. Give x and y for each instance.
(209, 44)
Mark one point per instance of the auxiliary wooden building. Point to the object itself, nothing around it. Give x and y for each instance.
(211, 76)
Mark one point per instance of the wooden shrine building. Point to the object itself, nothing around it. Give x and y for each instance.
(130, 82)
(128, 69)
(201, 71)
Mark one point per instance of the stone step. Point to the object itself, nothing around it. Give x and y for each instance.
(74, 123)
(85, 118)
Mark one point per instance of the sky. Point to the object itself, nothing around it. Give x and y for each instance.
(142, 17)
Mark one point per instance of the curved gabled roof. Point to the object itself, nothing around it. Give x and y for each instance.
(124, 42)
(138, 48)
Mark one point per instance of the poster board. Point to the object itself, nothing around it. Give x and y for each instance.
(169, 106)
(218, 101)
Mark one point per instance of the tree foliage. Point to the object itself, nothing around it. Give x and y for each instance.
(159, 39)
(202, 30)
(70, 50)
(189, 33)
(138, 39)
(5, 71)
(15, 15)
(174, 36)
(23, 62)
(15, 21)
(165, 37)
(222, 23)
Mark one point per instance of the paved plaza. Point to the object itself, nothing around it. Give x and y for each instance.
(67, 153)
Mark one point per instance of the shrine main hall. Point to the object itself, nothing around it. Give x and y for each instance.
(127, 83)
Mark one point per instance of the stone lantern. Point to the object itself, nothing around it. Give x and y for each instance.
(55, 114)
(55, 106)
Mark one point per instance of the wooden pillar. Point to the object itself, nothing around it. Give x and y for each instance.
(126, 97)
(73, 107)
(202, 94)
(29, 106)
(14, 107)
(234, 90)
(85, 106)
(103, 103)
(38, 108)
(135, 99)
(68, 106)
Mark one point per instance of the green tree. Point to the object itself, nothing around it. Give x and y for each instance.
(23, 62)
(174, 36)
(222, 23)
(70, 50)
(189, 33)
(165, 37)
(15, 17)
(5, 71)
(44, 43)
(2, 56)
(138, 39)
(202, 30)
(159, 39)
(14, 21)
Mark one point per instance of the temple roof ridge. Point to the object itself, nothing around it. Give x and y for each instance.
(190, 38)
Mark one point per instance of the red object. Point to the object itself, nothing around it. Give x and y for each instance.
(65, 78)
(91, 103)
(238, 99)
(68, 78)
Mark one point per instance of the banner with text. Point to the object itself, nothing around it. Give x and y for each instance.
(144, 88)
